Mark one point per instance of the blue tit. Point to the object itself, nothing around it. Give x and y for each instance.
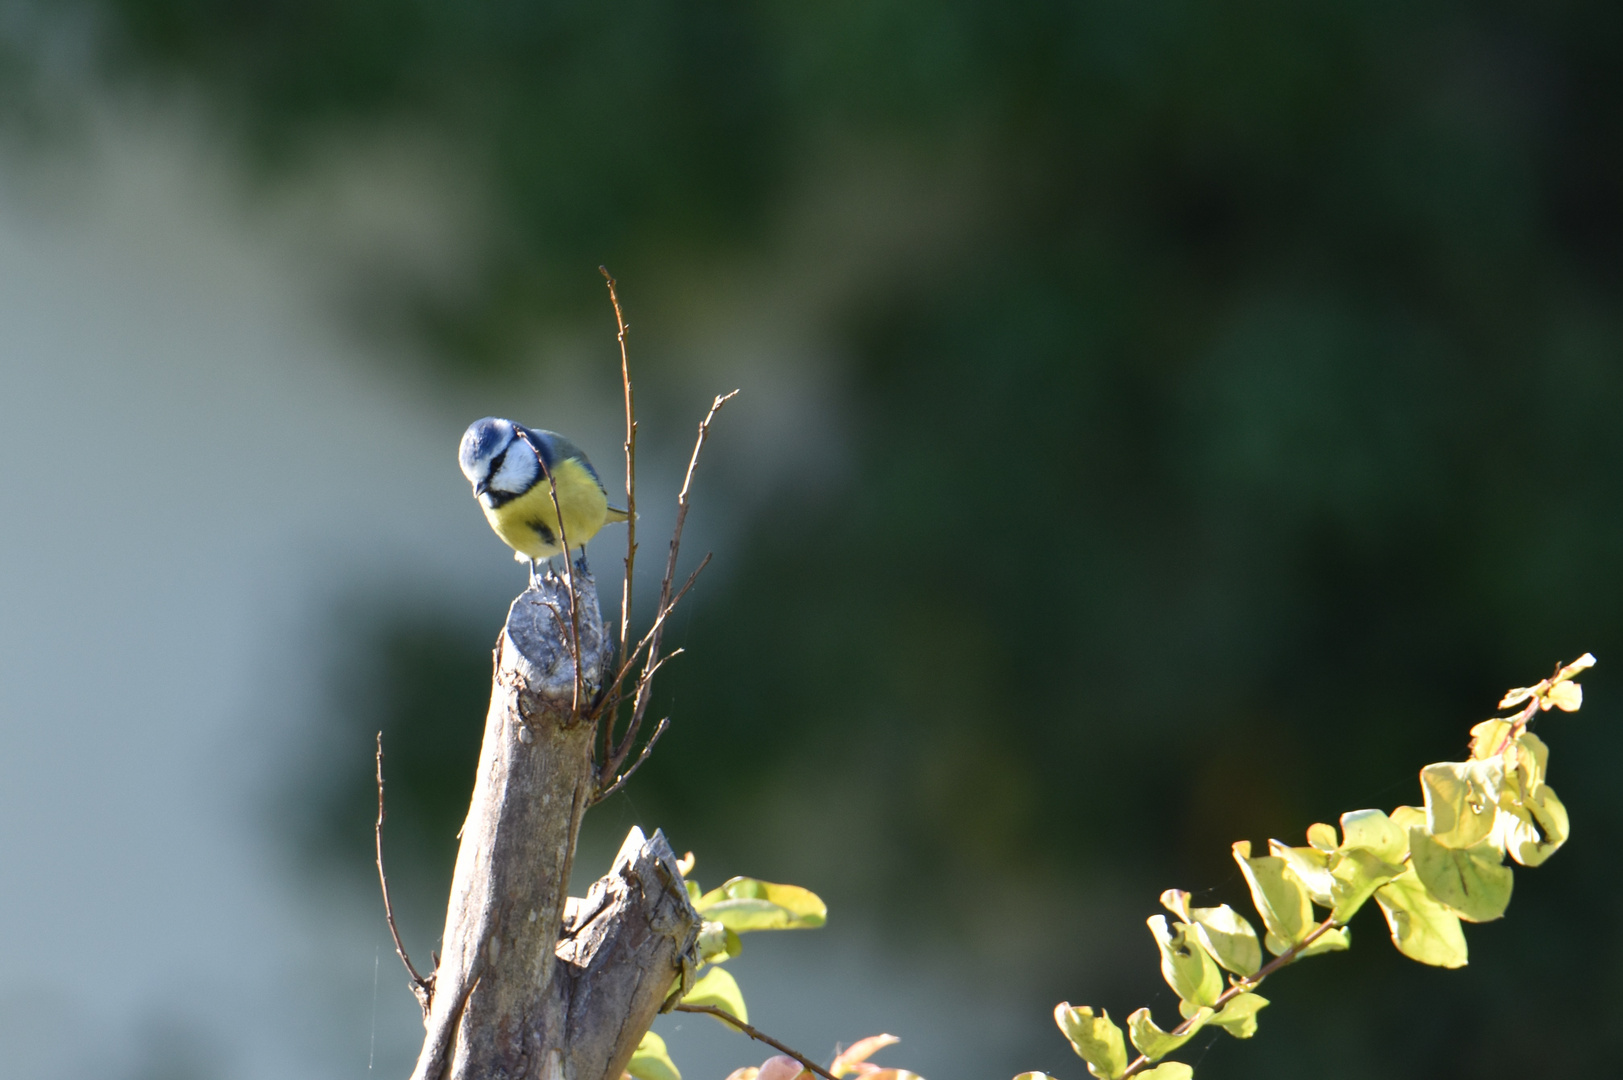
(508, 465)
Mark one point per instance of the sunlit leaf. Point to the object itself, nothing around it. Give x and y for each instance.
(651, 1061)
(1473, 882)
(1223, 931)
(745, 904)
(692, 888)
(1373, 831)
(717, 943)
(1460, 798)
(1407, 817)
(887, 1074)
(1279, 895)
(859, 1052)
(781, 1067)
(1096, 1039)
(1566, 696)
(1333, 940)
(1154, 1043)
(1529, 762)
(1488, 738)
(1185, 964)
(1422, 927)
(1540, 828)
(1239, 1016)
(748, 1072)
(1168, 1070)
(720, 989)
(684, 865)
(1311, 867)
(1357, 874)
(1322, 837)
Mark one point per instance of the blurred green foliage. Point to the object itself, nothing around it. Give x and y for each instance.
(1280, 342)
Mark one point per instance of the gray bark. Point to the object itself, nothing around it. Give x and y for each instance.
(499, 1012)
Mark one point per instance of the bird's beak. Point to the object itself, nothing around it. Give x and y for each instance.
(481, 487)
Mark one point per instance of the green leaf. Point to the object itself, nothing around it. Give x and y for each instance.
(1185, 964)
(1357, 874)
(1168, 1070)
(1311, 867)
(1423, 928)
(650, 1061)
(744, 904)
(1536, 829)
(693, 890)
(1096, 1039)
(1473, 882)
(720, 989)
(1407, 817)
(1223, 931)
(1239, 1016)
(1279, 895)
(1460, 798)
(1322, 837)
(1373, 831)
(1154, 1043)
(1334, 940)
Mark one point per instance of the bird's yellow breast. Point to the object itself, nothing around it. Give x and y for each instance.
(529, 524)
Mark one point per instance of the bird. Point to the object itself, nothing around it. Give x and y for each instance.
(509, 465)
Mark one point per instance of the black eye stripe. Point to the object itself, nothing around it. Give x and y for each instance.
(496, 462)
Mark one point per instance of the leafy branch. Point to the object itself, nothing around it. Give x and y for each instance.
(1427, 868)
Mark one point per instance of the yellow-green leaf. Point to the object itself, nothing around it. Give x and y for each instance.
(1529, 761)
(1239, 1016)
(720, 989)
(1096, 1039)
(717, 943)
(1334, 940)
(1311, 867)
(1407, 817)
(1460, 798)
(651, 1061)
(1168, 1070)
(1154, 1043)
(1279, 895)
(1322, 837)
(1537, 829)
(1488, 739)
(1225, 933)
(744, 904)
(1566, 696)
(1357, 874)
(1422, 927)
(1373, 831)
(1474, 882)
(1185, 964)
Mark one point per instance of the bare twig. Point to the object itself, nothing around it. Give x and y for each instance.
(631, 462)
(1242, 986)
(639, 704)
(647, 748)
(421, 988)
(757, 1035)
(647, 639)
(569, 567)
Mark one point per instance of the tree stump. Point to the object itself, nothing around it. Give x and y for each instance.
(534, 985)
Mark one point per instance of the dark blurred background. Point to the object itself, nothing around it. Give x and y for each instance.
(1190, 418)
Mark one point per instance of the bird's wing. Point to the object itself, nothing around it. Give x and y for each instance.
(556, 448)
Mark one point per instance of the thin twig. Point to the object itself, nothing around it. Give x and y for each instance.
(757, 1035)
(1242, 986)
(659, 621)
(647, 748)
(631, 462)
(422, 988)
(569, 567)
(640, 702)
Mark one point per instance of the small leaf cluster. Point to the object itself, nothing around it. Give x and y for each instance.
(852, 1062)
(1428, 868)
(739, 905)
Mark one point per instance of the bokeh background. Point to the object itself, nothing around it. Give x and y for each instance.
(1162, 423)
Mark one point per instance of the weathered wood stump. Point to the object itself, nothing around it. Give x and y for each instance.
(532, 984)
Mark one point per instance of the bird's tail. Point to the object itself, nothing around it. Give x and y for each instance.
(617, 514)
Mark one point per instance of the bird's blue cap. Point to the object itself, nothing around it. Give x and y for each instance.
(483, 440)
